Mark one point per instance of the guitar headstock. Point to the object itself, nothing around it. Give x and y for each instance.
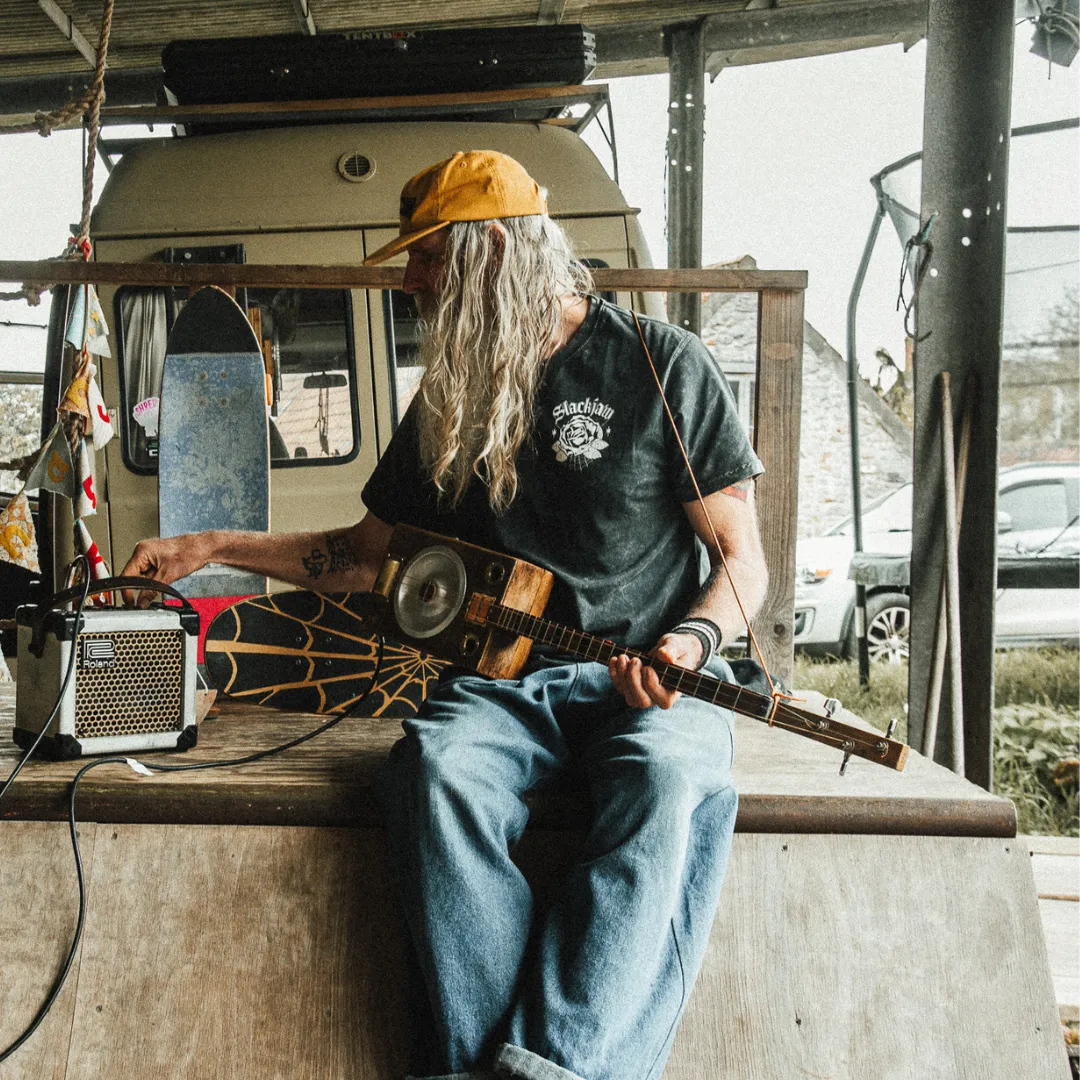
(822, 726)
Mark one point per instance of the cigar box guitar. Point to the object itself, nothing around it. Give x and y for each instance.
(482, 610)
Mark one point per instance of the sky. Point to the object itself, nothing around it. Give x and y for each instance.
(789, 151)
(790, 148)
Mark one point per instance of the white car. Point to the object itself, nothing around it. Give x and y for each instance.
(1038, 506)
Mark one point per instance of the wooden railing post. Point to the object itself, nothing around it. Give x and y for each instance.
(776, 435)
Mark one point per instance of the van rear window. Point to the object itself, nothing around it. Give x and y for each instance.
(310, 361)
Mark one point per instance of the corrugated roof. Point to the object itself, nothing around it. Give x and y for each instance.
(33, 45)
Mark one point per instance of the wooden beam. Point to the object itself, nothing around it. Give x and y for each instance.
(432, 104)
(69, 30)
(61, 272)
(304, 16)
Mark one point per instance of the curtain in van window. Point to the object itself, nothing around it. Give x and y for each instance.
(145, 333)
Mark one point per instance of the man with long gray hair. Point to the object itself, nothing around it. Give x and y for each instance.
(538, 429)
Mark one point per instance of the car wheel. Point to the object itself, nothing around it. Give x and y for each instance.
(888, 622)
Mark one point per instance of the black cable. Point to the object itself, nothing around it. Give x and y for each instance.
(58, 984)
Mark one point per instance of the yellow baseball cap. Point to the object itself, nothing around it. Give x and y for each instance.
(473, 185)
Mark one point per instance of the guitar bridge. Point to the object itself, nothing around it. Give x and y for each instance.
(478, 608)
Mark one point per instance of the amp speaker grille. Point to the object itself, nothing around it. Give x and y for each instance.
(140, 691)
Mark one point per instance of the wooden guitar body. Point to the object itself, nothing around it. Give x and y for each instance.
(426, 581)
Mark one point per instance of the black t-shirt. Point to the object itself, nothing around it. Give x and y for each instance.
(601, 480)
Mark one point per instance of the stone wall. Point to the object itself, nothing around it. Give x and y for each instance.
(825, 446)
(1040, 404)
(20, 426)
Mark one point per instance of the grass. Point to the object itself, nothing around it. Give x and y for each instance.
(1036, 725)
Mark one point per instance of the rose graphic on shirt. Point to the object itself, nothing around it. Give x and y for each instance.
(579, 437)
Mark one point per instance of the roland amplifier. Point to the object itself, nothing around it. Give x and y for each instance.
(132, 688)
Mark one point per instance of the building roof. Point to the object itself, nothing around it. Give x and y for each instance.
(48, 46)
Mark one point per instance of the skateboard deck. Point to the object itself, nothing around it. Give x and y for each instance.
(214, 449)
(312, 652)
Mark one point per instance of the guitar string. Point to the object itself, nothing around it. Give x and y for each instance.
(775, 694)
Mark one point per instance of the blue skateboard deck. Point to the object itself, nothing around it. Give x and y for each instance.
(214, 449)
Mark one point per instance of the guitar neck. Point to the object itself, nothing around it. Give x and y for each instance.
(851, 740)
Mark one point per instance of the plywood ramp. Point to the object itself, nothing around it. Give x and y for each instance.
(874, 958)
(213, 952)
(253, 953)
(241, 923)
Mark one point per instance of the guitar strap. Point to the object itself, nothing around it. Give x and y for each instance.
(776, 694)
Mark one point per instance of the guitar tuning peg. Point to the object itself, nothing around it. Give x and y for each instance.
(843, 764)
(830, 707)
(890, 729)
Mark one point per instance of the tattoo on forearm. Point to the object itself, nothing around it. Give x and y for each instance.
(342, 558)
(314, 563)
(740, 491)
(337, 559)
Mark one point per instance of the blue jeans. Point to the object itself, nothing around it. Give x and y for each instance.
(593, 987)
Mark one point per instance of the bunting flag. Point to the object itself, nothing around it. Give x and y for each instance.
(86, 501)
(88, 332)
(75, 399)
(54, 469)
(18, 543)
(85, 543)
(101, 428)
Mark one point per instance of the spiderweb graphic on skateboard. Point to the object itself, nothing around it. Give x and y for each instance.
(312, 652)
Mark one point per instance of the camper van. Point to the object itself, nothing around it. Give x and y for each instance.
(340, 362)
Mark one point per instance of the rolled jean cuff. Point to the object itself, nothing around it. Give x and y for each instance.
(456, 1076)
(513, 1061)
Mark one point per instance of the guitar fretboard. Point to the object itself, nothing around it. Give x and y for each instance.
(852, 740)
(589, 647)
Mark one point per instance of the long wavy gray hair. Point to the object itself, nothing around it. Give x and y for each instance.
(483, 347)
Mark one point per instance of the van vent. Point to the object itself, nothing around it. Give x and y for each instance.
(356, 167)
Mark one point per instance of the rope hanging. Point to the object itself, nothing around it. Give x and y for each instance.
(45, 123)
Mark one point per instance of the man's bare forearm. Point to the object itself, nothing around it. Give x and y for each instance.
(717, 602)
(326, 561)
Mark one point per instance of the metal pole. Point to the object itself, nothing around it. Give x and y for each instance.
(958, 329)
(853, 424)
(686, 160)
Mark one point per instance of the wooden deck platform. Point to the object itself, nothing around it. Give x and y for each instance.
(787, 784)
(241, 923)
(1055, 861)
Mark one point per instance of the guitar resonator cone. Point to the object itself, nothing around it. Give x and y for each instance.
(430, 592)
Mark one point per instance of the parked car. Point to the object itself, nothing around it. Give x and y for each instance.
(1038, 507)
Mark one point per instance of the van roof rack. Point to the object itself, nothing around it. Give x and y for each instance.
(544, 104)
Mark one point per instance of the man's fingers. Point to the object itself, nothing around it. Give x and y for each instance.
(639, 684)
(141, 564)
(627, 680)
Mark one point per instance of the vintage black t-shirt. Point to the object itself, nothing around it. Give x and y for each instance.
(601, 481)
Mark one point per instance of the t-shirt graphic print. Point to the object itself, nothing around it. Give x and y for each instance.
(580, 431)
